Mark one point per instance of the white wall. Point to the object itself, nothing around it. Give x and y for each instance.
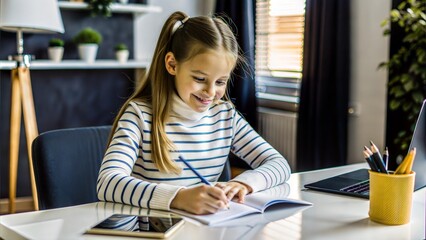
(148, 27)
(368, 85)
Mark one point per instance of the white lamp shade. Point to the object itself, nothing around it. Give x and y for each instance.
(30, 16)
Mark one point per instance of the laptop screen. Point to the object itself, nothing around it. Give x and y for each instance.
(419, 142)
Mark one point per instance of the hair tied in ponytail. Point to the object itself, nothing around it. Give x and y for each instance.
(179, 24)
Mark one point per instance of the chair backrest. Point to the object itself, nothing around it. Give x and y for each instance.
(66, 165)
(226, 173)
(67, 162)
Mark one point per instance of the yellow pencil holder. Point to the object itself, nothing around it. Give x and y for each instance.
(391, 197)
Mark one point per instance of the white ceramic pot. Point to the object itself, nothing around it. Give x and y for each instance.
(55, 53)
(88, 51)
(122, 55)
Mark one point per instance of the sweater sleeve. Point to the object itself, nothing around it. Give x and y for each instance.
(115, 182)
(270, 168)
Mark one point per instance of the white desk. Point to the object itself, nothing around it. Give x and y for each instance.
(331, 217)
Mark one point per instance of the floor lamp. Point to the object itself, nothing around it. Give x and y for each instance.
(35, 16)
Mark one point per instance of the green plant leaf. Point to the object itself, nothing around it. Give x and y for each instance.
(384, 23)
(401, 133)
(56, 42)
(410, 37)
(395, 14)
(414, 68)
(397, 91)
(408, 86)
(386, 32)
(405, 78)
(407, 106)
(411, 12)
(382, 65)
(421, 56)
(402, 5)
(418, 96)
(394, 79)
(393, 105)
(88, 35)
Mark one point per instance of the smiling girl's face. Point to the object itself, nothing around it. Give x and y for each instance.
(202, 80)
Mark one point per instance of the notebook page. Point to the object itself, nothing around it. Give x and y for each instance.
(235, 210)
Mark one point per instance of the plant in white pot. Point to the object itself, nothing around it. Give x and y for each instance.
(55, 51)
(88, 40)
(121, 52)
(100, 7)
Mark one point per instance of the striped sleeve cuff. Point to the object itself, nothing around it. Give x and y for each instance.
(252, 178)
(163, 196)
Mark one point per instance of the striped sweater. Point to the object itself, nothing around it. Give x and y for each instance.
(128, 174)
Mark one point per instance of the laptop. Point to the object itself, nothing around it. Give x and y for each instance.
(356, 183)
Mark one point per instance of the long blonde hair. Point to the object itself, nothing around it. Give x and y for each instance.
(195, 36)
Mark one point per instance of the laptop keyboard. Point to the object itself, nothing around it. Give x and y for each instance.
(362, 188)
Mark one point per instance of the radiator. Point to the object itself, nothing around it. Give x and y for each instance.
(279, 129)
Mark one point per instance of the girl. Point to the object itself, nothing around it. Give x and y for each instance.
(181, 109)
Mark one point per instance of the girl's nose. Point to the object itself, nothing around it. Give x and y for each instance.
(210, 90)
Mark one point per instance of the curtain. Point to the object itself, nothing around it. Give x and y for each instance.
(240, 15)
(323, 116)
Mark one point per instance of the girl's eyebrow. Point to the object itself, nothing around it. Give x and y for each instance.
(205, 74)
(199, 72)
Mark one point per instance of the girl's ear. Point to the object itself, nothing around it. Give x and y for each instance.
(170, 62)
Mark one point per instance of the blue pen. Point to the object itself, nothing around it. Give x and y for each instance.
(198, 174)
(195, 171)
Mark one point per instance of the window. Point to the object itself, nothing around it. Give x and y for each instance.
(279, 52)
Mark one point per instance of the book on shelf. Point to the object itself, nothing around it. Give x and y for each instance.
(257, 202)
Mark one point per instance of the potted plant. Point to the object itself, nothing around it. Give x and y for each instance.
(121, 52)
(100, 7)
(406, 67)
(88, 40)
(55, 51)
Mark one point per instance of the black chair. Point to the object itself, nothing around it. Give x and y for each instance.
(67, 162)
(66, 165)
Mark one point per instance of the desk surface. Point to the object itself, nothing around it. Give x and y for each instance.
(331, 217)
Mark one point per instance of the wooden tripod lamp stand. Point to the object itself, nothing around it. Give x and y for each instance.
(36, 16)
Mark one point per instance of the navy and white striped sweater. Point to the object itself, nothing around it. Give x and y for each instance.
(128, 174)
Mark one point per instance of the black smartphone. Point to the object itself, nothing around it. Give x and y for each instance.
(138, 226)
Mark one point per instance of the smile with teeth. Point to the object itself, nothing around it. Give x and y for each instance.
(203, 100)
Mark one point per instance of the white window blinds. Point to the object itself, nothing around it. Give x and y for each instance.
(279, 52)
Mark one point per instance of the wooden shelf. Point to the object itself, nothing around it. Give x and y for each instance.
(136, 9)
(78, 64)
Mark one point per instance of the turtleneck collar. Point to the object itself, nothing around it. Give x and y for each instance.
(181, 110)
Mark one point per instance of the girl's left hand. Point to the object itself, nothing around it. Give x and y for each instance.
(236, 190)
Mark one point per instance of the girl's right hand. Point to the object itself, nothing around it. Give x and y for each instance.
(203, 199)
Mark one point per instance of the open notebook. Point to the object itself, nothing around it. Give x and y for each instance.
(254, 203)
(356, 183)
